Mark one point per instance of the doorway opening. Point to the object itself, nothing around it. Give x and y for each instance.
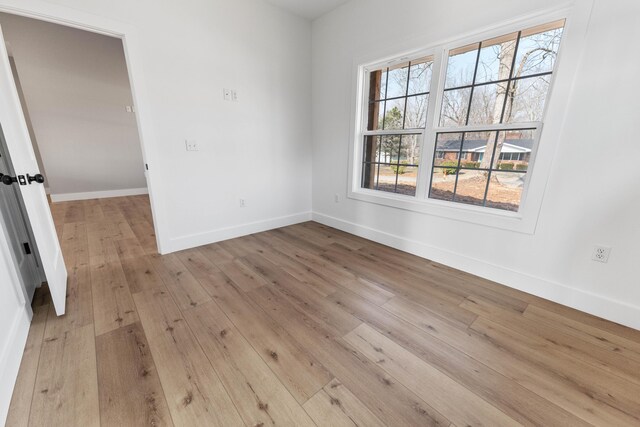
(76, 98)
(79, 108)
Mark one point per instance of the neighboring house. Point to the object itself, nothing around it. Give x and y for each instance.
(513, 150)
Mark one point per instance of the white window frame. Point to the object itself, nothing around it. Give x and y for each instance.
(576, 15)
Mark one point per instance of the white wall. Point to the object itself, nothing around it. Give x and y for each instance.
(588, 200)
(257, 148)
(76, 86)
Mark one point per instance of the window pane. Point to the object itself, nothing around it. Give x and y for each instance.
(420, 75)
(390, 144)
(377, 84)
(471, 187)
(375, 115)
(462, 63)
(474, 150)
(410, 150)
(515, 149)
(527, 104)
(370, 175)
(416, 112)
(371, 151)
(443, 181)
(538, 49)
(487, 103)
(505, 190)
(455, 106)
(496, 58)
(394, 114)
(407, 180)
(387, 178)
(397, 83)
(448, 149)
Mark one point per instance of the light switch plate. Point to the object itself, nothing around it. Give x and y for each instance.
(191, 145)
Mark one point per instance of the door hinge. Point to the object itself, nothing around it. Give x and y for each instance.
(27, 248)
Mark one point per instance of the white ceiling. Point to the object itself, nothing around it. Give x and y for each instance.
(310, 9)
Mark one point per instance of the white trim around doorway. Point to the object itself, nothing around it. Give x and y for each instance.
(57, 14)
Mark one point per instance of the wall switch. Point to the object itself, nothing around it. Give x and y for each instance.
(230, 95)
(601, 253)
(191, 144)
(129, 109)
(336, 198)
(243, 203)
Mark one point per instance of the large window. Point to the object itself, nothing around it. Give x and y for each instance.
(487, 110)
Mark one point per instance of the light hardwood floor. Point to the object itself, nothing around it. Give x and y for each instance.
(304, 325)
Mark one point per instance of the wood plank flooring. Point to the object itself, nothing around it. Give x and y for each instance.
(304, 325)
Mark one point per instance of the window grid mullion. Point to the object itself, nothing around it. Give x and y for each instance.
(489, 82)
(395, 189)
(508, 89)
(493, 158)
(386, 89)
(473, 83)
(455, 186)
(406, 97)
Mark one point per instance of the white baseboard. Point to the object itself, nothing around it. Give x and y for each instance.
(598, 305)
(10, 358)
(67, 197)
(200, 239)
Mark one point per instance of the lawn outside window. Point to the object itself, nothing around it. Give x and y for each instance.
(455, 129)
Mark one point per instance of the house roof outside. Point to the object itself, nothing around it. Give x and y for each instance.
(478, 145)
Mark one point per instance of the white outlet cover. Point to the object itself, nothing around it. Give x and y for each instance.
(601, 253)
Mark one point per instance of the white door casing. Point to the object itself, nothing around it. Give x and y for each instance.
(35, 200)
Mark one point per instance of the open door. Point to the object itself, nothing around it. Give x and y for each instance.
(30, 182)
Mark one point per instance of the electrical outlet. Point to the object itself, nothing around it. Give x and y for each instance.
(601, 253)
(243, 203)
(234, 95)
(336, 198)
(191, 145)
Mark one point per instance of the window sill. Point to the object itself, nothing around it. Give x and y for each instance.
(512, 221)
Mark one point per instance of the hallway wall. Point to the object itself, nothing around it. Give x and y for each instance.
(76, 86)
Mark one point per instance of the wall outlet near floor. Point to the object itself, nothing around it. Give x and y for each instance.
(601, 253)
(243, 203)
